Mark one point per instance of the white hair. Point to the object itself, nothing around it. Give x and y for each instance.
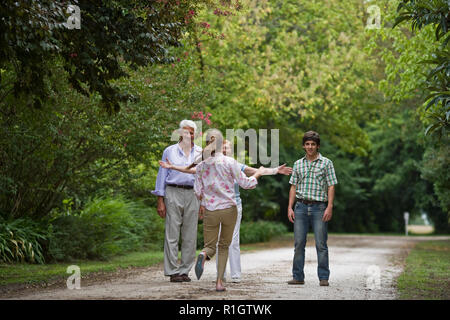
(188, 123)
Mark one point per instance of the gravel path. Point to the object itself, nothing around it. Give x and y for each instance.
(362, 267)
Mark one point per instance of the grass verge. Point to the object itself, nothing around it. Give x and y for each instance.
(427, 272)
(37, 273)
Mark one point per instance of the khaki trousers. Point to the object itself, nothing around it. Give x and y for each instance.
(215, 222)
(181, 218)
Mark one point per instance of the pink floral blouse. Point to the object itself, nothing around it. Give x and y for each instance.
(214, 181)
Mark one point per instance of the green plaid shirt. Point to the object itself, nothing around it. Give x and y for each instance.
(312, 179)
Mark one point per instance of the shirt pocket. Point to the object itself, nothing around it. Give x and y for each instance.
(318, 174)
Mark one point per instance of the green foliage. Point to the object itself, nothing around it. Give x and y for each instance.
(21, 241)
(422, 13)
(73, 149)
(298, 79)
(436, 169)
(260, 231)
(394, 166)
(34, 35)
(105, 227)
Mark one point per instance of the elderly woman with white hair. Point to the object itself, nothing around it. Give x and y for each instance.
(214, 186)
(178, 205)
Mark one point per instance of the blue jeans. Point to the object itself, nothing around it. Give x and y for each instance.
(304, 216)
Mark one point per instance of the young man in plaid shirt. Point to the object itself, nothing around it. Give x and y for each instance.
(312, 188)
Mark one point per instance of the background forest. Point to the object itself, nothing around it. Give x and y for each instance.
(86, 113)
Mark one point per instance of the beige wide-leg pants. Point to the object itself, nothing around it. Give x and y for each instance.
(213, 221)
(181, 217)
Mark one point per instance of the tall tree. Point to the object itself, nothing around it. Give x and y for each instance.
(421, 13)
(35, 33)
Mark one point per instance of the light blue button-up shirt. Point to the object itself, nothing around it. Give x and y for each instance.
(176, 156)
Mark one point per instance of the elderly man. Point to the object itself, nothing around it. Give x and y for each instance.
(178, 204)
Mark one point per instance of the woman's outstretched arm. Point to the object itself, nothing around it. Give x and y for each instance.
(167, 165)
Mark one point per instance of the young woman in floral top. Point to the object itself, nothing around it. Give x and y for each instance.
(214, 186)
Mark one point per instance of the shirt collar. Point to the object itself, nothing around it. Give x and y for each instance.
(193, 149)
(319, 158)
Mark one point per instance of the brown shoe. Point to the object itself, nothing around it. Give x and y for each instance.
(176, 278)
(294, 281)
(185, 278)
(324, 283)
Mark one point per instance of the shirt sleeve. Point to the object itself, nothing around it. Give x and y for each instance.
(160, 187)
(198, 183)
(240, 177)
(330, 174)
(294, 176)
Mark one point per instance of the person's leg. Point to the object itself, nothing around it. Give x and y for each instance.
(211, 224)
(217, 258)
(189, 231)
(172, 231)
(301, 225)
(228, 222)
(321, 236)
(234, 252)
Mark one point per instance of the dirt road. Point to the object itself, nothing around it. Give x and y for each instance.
(362, 267)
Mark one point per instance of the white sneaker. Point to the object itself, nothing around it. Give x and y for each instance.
(235, 280)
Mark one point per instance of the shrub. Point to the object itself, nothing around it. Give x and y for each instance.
(104, 228)
(260, 231)
(20, 241)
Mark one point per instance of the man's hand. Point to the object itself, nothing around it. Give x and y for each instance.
(329, 210)
(161, 207)
(284, 170)
(165, 165)
(291, 215)
(201, 212)
(328, 213)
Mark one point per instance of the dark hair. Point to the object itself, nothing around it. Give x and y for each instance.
(311, 135)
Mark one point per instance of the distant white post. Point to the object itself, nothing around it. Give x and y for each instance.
(406, 217)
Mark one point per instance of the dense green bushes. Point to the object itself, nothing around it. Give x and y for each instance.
(105, 227)
(260, 231)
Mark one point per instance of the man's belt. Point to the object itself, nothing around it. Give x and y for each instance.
(180, 186)
(309, 201)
